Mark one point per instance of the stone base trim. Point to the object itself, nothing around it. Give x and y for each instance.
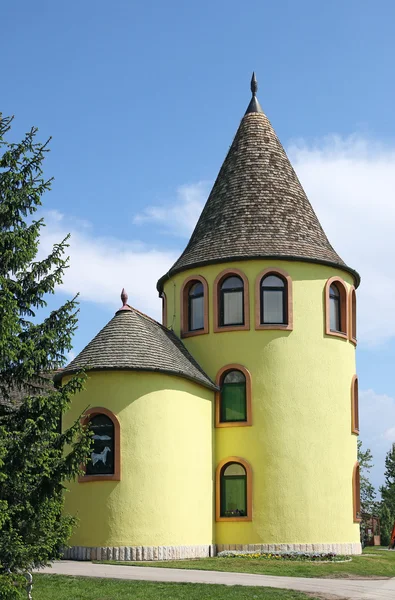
(352, 548)
(138, 553)
(141, 553)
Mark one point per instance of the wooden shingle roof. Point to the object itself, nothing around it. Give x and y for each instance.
(133, 341)
(257, 207)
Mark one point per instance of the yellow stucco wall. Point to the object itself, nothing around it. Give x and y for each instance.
(165, 493)
(300, 445)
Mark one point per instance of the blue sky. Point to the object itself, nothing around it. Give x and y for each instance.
(142, 100)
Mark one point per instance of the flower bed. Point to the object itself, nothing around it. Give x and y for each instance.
(301, 556)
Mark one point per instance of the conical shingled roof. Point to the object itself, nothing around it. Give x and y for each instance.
(257, 207)
(133, 341)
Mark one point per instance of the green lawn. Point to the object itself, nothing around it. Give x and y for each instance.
(51, 587)
(375, 562)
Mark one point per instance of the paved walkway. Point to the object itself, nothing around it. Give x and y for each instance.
(356, 589)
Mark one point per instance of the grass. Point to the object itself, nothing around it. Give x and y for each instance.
(49, 587)
(374, 563)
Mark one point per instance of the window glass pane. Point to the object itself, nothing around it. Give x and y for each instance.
(334, 309)
(233, 308)
(196, 316)
(233, 402)
(196, 289)
(273, 306)
(272, 281)
(102, 452)
(234, 469)
(232, 283)
(233, 496)
(334, 291)
(234, 377)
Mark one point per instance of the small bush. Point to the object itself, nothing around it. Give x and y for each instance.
(300, 556)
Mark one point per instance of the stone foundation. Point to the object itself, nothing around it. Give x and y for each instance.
(137, 553)
(142, 553)
(353, 548)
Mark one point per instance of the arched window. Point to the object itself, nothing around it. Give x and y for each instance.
(233, 487)
(354, 406)
(194, 306)
(356, 487)
(231, 301)
(233, 401)
(335, 314)
(103, 446)
(336, 320)
(353, 315)
(273, 300)
(104, 461)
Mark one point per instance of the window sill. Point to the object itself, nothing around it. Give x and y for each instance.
(353, 341)
(88, 478)
(220, 424)
(355, 431)
(339, 334)
(274, 326)
(185, 334)
(233, 519)
(222, 328)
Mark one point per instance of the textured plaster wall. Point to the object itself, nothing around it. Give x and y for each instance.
(165, 493)
(300, 445)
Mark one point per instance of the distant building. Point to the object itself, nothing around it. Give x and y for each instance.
(234, 423)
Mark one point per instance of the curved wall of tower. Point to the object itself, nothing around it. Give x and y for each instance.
(300, 446)
(162, 505)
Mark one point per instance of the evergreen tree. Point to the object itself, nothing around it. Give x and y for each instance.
(387, 507)
(35, 456)
(368, 492)
(388, 489)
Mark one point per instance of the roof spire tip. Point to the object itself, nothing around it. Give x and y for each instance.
(254, 84)
(124, 298)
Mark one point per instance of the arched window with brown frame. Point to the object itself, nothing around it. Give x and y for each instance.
(231, 301)
(233, 490)
(233, 400)
(336, 313)
(354, 406)
(104, 463)
(356, 491)
(273, 300)
(352, 311)
(194, 306)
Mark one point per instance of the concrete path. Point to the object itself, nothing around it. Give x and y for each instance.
(354, 589)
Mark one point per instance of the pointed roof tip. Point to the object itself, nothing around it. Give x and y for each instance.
(254, 84)
(124, 298)
(254, 105)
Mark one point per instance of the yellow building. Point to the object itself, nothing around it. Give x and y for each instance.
(234, 423)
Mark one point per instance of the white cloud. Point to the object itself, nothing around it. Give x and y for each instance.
(351, 185)
(101, 267)
(377, 411)
(179, 217)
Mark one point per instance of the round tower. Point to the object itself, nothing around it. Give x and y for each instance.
(268, 309)
(147, 490)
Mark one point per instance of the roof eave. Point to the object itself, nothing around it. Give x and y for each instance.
(213, 261)
(209, 384)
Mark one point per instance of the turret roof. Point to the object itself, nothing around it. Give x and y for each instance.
(133, 341)
(257, 207)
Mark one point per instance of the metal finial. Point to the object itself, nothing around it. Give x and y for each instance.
(124, 297)
(254, 84)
